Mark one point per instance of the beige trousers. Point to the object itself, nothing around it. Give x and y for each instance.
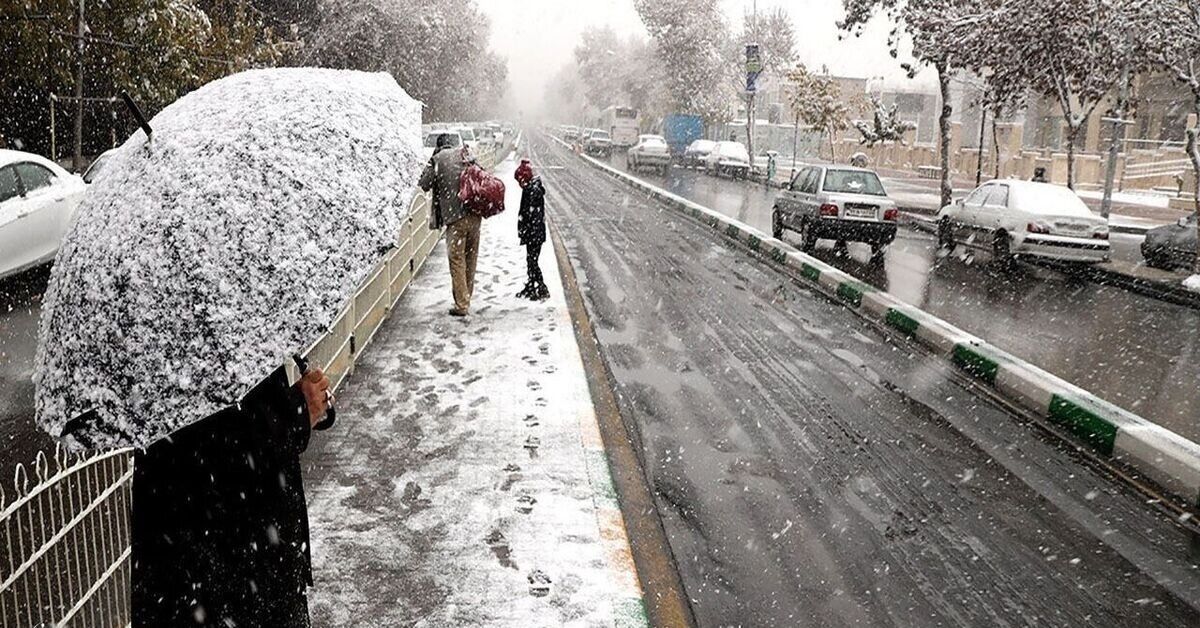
(462, 244)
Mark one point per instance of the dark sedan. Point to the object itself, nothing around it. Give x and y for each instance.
(1171, 246)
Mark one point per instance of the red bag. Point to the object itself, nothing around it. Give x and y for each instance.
(481, 192)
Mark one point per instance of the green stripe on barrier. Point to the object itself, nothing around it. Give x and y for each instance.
(779, 255)
(753, 241)
(732, 230)
(899, 320)
(1084, 423)
(630, 612)
(975, 364)
(852, 292)
(810, 272)
(602, 484)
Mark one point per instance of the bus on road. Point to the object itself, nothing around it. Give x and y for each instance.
(621, 123)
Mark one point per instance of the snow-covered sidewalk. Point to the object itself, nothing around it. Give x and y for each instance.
(465, 483)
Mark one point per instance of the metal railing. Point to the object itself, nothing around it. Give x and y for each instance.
(65, 538)
(66, 542)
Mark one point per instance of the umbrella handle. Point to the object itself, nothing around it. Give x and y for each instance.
(330, 411)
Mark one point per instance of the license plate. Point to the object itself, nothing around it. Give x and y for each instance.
(860, 212)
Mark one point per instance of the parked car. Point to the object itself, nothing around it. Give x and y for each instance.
(37, 202)
(1011, 217)
(97, 166)
(431, 139)
(651, 151)
(468, 138)
(598, 143)
(729, 158)
(838, 203)
(694, 156)
(571, 133)
(1171, 246)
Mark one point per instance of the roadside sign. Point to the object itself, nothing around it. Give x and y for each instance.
(753, 67)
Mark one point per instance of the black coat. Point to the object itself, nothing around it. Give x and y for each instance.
(531, 223)
(220, 525)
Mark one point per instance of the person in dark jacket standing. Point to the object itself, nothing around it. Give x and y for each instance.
(219, 523)
(531, 229)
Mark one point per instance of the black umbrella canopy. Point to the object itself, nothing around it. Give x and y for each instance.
(203, 257)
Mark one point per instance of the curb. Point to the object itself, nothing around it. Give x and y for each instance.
(1170, 460)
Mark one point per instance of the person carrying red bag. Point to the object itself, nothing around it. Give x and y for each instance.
(443, 175)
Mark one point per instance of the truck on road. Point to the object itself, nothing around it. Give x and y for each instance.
(681, 130)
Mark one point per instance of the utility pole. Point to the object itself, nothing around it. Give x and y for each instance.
(1118, 131)
(77, 158)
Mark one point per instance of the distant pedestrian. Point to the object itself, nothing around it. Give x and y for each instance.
(219, 522)
(531, 229)
(442, 175)
(1039, 175)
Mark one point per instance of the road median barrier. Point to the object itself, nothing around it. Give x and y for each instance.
(1156, 453)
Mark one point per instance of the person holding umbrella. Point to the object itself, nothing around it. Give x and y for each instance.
(232, 234)
(220, 524)
(531, 229)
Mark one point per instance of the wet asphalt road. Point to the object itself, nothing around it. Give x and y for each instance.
(1135, 351)
(20, 306)
(810, 471)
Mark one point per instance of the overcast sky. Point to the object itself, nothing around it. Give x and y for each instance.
(538, 37)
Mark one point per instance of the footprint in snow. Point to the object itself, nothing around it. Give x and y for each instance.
(525, 503)
(539, 583)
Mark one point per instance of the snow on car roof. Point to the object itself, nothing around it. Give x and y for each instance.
(8, 156)
(228, 241)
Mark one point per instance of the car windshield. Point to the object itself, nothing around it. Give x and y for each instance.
(703, 146)
(853, 182)
(600, 135)
(432, 139)
(1046, 198)
(467, 135)
(653, 141)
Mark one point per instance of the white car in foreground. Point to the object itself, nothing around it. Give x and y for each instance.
(37, 202)
(1011, 217)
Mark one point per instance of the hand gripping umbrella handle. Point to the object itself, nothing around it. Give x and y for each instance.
(330, 412)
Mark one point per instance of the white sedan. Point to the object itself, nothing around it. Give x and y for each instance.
(37, 202)
(730, 158)
(1011, 217)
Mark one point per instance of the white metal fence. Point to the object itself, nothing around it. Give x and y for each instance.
(64, 532)
(66, 542)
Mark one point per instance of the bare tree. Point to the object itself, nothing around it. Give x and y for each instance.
(942, 37)
(1173, 34)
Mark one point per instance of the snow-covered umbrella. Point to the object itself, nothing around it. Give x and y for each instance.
(207, 254)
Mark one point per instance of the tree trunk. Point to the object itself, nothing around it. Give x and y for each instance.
(943, 71)
(832, 146)
(995, 146)
(1071, 133)
(1194, 154)
(795, 144)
